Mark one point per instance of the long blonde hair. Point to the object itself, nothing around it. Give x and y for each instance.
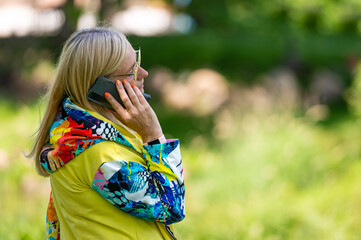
(86, 55)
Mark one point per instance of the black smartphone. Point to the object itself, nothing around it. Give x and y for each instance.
(103, 85)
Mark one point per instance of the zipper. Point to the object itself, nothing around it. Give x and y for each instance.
(170, 232)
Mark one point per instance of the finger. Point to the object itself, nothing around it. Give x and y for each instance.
(116, 115)
(131, 94)
(123, 95)
(115, 105)
(140, 96)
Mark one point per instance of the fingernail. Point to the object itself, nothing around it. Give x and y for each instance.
(109, 110)
(124, 82)
(118, 82)
(106, 94)
(132, 86)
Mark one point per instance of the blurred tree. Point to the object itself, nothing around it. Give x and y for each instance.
(108, 7)
(210, 14)
(350, 23)
(239, 38)
(353, 94)
(14, 60)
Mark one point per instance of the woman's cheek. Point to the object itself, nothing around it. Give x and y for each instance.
(130, 79)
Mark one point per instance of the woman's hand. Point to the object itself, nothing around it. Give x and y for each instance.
(138, 114)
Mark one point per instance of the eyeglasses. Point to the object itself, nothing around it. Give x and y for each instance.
(135, 68)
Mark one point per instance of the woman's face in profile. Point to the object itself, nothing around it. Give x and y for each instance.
(128, 66)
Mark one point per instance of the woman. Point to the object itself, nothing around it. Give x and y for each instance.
(113, 174)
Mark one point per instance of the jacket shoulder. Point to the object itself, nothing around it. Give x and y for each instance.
(86, 164)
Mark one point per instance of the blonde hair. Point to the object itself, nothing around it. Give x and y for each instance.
(86, 55)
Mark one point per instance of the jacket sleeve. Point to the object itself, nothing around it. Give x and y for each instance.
(154, 191)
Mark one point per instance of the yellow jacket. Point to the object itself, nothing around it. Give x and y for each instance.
(106, 184)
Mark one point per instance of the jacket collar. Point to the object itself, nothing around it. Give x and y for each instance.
(75, 129)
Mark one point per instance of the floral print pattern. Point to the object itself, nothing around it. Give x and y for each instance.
(146, 192)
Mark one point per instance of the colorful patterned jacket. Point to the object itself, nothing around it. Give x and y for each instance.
(106, 184)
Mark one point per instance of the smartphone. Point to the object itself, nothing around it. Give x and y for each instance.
(103, 85)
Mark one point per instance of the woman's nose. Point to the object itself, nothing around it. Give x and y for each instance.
(142, 73)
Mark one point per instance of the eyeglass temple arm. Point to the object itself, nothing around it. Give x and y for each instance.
(127, 74)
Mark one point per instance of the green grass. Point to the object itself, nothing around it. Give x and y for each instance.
(273, 177)
(23, 194)
(278, 178)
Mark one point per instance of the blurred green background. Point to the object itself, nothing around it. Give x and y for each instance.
(264, 96)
